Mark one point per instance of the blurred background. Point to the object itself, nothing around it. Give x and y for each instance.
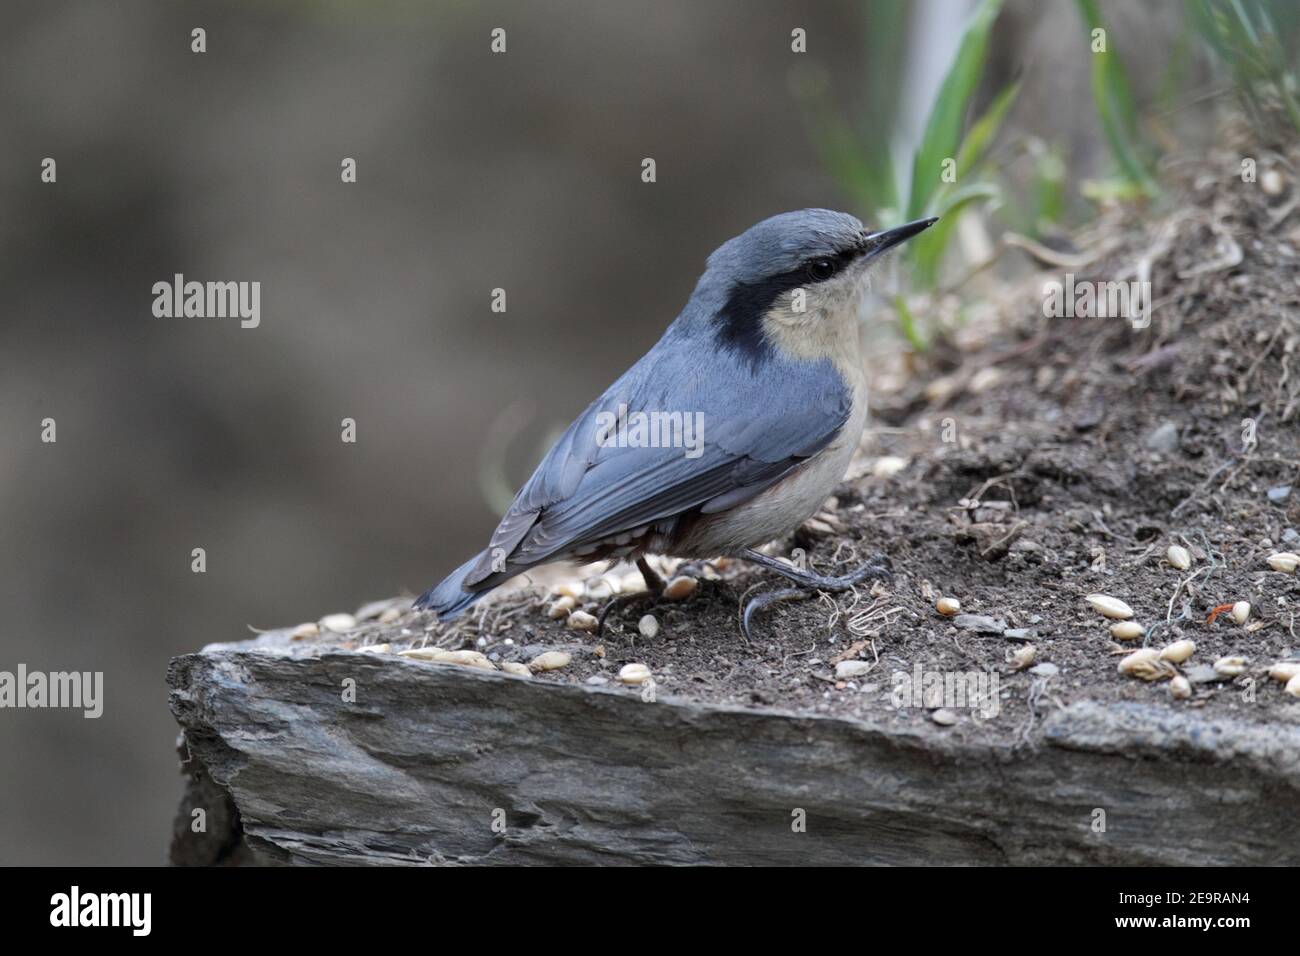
(475, 171)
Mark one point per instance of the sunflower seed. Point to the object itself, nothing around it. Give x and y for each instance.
(1109, 606)
(550, 660)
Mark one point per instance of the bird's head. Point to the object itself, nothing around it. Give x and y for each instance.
(794, 282)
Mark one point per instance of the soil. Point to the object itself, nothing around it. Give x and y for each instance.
(1046, 459)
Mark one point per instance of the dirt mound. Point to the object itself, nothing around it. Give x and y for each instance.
(1047, 460)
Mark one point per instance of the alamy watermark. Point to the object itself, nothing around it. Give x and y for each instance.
(209, 300)
(954, 690)
(78, 690)
(1086, 299)
(624, 429)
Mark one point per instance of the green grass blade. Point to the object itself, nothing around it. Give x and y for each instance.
(943, 128)
(1114, 103)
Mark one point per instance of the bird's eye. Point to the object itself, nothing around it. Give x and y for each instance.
(819, 270)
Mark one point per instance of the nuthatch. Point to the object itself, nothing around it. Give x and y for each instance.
(765, 360)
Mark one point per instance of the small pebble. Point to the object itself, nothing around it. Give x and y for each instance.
(1164, 438)
(680, 588)
(981, 623)
(582, 621)
(634, 674)
(549, 661)
(947, 606)
(1280, 493)
(648, 626)
(1109, 606)
(944, 717)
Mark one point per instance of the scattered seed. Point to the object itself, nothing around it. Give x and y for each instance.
(1241, 611)
(600, 589)
(1022, 656)
(438, 655)
(944, 717)
(1127, 630)
(1109, 606)
(570, 589)
(888, 466)
(1293, 686)
(648, 626)
(1284, 670)
(516, 668)
(1180, 688)
(560, 607)
(1284, 561)
(468, 659)
(1231, 666)
(550, 661)
(633, 674)
(1178, 557)
(1045, 670)
(582, 621)
(338, 623)
(947, 606)
(389, 615)
(680, 588)
(1145, 664)
(1178, 651)
(845, 670)
(376, 649)
(422, 653)
(304, 631)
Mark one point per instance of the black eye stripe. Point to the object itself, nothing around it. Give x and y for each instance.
(817, 270)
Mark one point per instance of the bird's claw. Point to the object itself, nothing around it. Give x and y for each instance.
(766, 598)
(877, 568)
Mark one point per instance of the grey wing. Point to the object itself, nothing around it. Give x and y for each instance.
(756, 427)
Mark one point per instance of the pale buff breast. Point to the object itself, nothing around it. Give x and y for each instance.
(790, 502)
(826, 329)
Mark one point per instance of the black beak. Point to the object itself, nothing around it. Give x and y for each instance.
(875, 243)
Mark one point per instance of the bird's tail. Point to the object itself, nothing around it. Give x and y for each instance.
(449, 598)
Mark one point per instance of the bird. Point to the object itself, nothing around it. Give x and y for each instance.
(765, 360)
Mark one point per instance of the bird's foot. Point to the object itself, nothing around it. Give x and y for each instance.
(809, 582)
